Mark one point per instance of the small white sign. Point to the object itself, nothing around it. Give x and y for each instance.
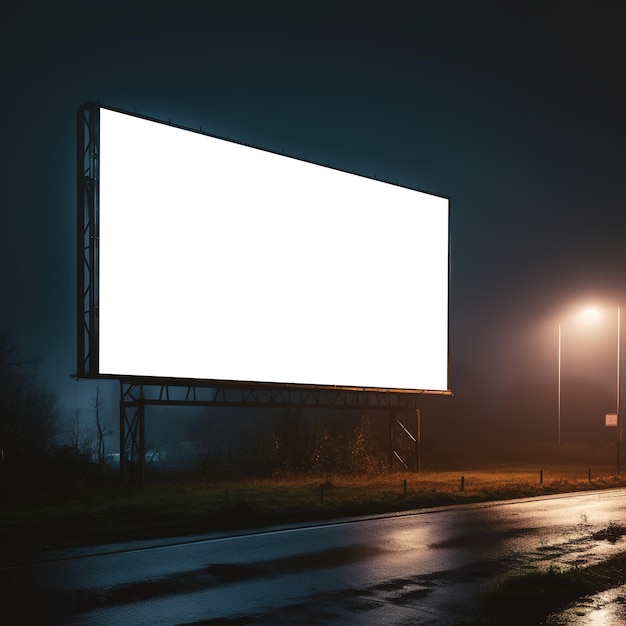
(611, 419)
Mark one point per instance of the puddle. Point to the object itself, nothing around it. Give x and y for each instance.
(603, 609)
(576, 548)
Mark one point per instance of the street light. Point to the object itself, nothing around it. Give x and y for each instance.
(588, 312)
(619, 420)
(558, 404)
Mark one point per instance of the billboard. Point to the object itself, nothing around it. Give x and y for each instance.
(220, 261)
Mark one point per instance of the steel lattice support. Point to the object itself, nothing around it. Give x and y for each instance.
(403, 443)
(87, 175)
(219, 393)
(132, 435)
(136, 394)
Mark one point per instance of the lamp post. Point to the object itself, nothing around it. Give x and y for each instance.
(619, 419)
(558, 403)
(559, 394)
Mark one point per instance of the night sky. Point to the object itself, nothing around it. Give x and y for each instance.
(514, 111)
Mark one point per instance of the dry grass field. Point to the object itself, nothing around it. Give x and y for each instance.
(168, 507)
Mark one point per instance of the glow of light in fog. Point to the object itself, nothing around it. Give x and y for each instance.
(590, 314)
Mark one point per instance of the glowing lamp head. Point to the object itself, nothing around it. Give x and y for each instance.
(590, 314)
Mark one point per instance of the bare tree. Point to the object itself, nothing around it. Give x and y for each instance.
(29, 412)
(81, 439)
(102, 427)
(74, 432)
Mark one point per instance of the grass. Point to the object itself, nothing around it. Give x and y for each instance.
(170, 508)
(167, 508)
(529, 598)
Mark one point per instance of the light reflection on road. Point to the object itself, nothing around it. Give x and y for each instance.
(604, 609)
(426, 567)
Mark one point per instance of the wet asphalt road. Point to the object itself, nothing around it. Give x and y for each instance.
(424, 567)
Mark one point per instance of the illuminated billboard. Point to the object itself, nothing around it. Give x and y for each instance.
(219, 261)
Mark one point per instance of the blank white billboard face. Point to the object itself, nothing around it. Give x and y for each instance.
(223, 262)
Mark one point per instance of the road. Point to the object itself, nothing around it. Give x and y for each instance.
(421, 567)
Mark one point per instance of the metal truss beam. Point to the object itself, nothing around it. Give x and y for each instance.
(87, 176)
(262, 396)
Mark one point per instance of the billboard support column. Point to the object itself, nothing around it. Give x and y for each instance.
(132, 435)
(87, 263)
(122, 437)
(418, 441)
(391, 419)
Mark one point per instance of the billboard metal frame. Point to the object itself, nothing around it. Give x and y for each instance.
(87, 181)
(138, 392)
(136, 395)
